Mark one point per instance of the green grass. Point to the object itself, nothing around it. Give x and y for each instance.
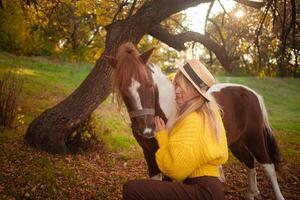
(45, 82)
(117, 133)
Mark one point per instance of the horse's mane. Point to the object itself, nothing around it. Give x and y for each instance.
(129, 65)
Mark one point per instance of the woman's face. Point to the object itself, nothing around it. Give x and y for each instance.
(182, 96)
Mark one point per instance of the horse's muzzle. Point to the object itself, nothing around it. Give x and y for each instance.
(147, 133)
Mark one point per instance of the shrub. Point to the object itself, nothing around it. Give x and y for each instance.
(10, 90)
(85, 137)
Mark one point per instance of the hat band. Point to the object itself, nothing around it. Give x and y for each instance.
(196, 79)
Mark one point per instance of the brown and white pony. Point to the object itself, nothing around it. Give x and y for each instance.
(147, 92)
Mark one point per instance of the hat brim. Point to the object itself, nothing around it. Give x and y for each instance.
(195, 86)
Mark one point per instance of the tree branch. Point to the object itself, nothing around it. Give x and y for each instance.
(149, 15)
(219, 31)
(253, 4)
(225, 11)
(178, 23)
(177, 42)
(96, 31)
(132, 8)
(121, 6)
(207, 14)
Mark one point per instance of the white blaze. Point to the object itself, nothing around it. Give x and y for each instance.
(133, 89)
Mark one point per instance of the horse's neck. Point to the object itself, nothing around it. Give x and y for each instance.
(166, 91)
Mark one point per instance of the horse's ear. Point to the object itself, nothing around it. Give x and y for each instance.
(111, 60)
(146, 56)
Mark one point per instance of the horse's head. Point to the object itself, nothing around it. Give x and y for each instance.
(132, 81)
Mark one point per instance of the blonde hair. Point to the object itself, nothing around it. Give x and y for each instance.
(198, 104)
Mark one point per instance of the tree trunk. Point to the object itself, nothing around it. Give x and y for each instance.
(50, 130)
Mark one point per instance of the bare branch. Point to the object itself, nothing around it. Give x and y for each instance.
(245, 62)
(212, 37)
(211, 59)
(207, 14)
(177, 42)
(132, 8)
(224, 12)
(29, 2)
(219, 32)
(179, 23)
(121, 6)
(146, 17)
(258, 30)
(253, 4)
(222, 7)
(96, 31)
(293, 21)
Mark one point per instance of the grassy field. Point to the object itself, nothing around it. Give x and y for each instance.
(30, 174)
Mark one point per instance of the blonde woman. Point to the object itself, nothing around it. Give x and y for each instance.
(192, 146)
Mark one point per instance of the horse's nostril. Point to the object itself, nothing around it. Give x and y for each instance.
(148, 133)
(147, 130)
(153, 126)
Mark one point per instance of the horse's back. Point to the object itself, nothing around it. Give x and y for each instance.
(241, 110)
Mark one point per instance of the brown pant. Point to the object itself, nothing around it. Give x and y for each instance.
(205, 187)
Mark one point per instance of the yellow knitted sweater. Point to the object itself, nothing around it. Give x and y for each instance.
(190, 149)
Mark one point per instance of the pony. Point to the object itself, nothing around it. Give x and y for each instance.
(147, 92)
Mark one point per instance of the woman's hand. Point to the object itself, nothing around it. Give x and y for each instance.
(159, 123)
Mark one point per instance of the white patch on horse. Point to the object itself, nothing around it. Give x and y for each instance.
(133, 89)
(252, 190)
(270, 170)
(157, 177)
(147, 131)
(166, 91)
(219, 86)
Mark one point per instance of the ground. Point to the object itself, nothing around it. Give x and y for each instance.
(99, 174)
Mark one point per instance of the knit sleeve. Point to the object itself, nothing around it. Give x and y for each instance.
(162, 137)
(176, 164)
(177, 155)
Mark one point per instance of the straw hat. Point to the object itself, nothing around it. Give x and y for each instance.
(198, 74)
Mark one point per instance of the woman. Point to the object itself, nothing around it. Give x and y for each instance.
(192, 146)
